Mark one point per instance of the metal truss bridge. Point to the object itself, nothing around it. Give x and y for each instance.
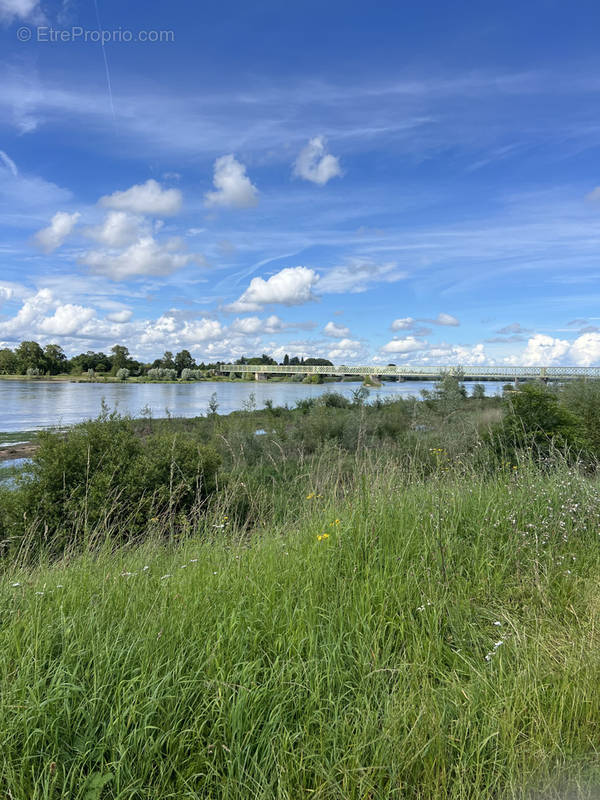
(260, 371)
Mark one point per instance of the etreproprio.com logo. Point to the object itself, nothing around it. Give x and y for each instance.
(77, 34)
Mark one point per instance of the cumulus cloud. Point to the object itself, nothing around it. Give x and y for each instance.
(346, 349)
(256, 325)
(119, 229)
(144, 257)
(33, 318)
(291, 286)
(315, 164)
(542, 350)
(403, 324)
(406, 345)
(585, 350)
(233, 187)
(145, 198)
(6, 293)
(54, 235)
(357, 275)
(11, 10)
(335, 331)
(66, 320)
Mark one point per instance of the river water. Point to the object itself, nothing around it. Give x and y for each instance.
(30, 405)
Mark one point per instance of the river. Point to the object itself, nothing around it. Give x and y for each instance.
(31, 405)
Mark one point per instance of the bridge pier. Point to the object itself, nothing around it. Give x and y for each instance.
(260, 376)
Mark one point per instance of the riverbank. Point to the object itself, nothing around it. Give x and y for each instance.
(337, 600)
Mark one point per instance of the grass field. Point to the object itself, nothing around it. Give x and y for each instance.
(394, 638)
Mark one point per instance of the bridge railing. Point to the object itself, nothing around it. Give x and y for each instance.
(424, 371)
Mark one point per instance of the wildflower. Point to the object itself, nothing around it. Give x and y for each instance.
(218, 526)
(183, 566)
(421, 608)
(154, 519)
(214, 573)
(497, 622)
(14, 585)
(193, 560)
(310, 496)
(168, 575)
(146, 568)
(322, 536)
(39, 593)
(59, 586)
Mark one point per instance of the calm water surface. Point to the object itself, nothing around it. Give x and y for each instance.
(30, 405)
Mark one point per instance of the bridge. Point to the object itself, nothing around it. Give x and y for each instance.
(415, 373)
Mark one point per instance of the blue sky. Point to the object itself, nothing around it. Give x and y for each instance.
(398, 182)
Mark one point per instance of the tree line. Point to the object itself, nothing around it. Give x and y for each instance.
(30, 358)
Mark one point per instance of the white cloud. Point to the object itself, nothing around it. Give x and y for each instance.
(119, 229)
(233, 187)
(120, 316)
(445, 319)
(315, 164)
(346, 349)
(60, 227)
(144, 257)
(256, 325)
(8, 162)
(357, 275)
(11, 10)
(335, 331)
(403, 324)
(145, 198)
(407, 345)
(6, 293)
(542, 350)
(585, 350)
(291, 286)
(66, 320)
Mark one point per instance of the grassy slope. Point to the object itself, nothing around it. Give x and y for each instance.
(348, 667)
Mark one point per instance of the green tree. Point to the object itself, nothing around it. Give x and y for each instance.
(120, 358)
(56, 360)
(8, 362)
(286, 360)
(30, 356)
(167, 361)
(478, 392)
(184, 360)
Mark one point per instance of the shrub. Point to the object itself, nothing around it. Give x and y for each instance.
(188, 374)
(535, 419)
(123, 374)
(32, 372)
(101, 474)
(162, 374)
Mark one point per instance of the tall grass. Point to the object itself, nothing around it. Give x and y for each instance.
(391, 637)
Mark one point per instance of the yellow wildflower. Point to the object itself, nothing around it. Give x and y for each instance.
(310, 496)
(322, 536)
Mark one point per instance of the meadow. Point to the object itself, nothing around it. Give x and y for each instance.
(364, 602)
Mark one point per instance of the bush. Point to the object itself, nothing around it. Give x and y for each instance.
(32, 372)
(123, 374)
(102, 475)
(188, 374)
(162, 374)
(536, 420)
